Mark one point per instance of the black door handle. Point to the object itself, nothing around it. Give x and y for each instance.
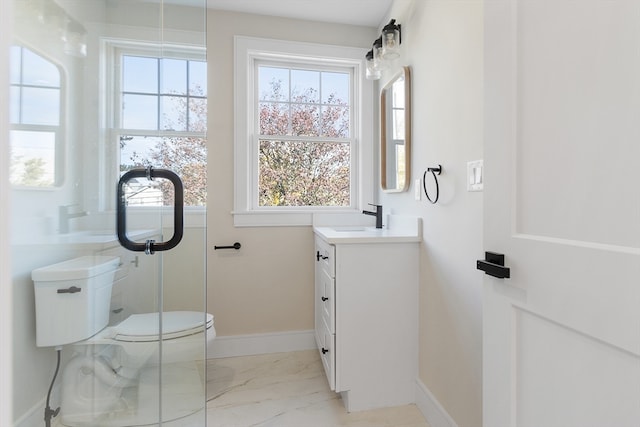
(150, 246)
(493, 265)
(319, 257)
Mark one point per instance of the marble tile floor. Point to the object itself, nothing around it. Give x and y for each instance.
(287, 390)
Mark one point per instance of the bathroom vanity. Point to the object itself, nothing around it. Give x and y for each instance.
(366, 312)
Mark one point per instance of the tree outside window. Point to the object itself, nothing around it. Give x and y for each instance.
(163, 124)
(304, 137)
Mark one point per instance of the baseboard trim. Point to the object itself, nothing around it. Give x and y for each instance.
(247, 345)
(432, 410)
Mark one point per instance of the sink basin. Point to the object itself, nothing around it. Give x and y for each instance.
(400, 229)
(349, 229)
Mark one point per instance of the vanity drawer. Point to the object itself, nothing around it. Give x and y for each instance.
(327, 300)
(325, 257)
(327, 355)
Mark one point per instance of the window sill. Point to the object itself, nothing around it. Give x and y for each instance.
(289, 219)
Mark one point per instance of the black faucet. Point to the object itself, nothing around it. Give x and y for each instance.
(377, 214)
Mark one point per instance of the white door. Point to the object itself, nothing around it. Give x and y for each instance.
(562, 203)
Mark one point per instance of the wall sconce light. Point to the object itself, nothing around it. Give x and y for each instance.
(74, 37)
(54, 21)
(385, 48)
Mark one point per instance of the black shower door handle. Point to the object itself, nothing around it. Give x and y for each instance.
(151, 246)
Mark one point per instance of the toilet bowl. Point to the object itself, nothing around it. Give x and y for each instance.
(118, 375)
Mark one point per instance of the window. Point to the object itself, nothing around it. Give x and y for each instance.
(35, 116)
(298, 134)
(304, 144)
(161, 121)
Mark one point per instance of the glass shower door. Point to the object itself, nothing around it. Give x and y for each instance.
(100, 89)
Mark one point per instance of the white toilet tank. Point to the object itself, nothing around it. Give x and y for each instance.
(73, 299)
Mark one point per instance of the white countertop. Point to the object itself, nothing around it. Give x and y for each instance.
(401, 230)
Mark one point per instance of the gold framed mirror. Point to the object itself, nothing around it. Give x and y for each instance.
(395, 132)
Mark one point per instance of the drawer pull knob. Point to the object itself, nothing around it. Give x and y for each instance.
(325, 350)
(324, 298)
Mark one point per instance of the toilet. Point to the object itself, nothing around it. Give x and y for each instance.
(116, 373)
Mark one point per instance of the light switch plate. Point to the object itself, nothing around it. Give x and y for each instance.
(418, 190)
(475, 175)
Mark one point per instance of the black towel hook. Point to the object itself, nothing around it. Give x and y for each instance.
(433, 171)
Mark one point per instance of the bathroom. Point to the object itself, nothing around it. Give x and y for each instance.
(456, 87)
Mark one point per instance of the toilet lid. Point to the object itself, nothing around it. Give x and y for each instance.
(175, 324)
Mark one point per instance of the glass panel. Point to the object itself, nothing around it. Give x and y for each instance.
(274, 118)
(185, 156)
(305, 86)
(335, 122)
(296, 173)
(16, 64)
(139, 74)
(14, 106)
(173, 113)
(38, 71)
(197, 115)
(305, 120)
(174, 76)
(398, 125)
(197, 78)
(140, 112)
(335, 88)
(33, 157)
(66, 130)
(273, 84)
(40, 106)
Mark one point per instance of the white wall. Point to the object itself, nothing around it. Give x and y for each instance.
(442, 43)
(267, 286)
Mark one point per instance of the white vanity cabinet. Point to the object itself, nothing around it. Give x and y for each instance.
(366, 318)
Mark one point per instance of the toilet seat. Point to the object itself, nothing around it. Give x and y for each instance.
(175, 324)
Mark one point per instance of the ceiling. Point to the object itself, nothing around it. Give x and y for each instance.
(369, 13)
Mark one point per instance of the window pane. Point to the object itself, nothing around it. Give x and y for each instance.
(305, 120)
(197, 78)
(335, 88)
(16, 64)
(273, 84)
(335, 122)
(305, 86)
(294, 173)
(139, 74)
(33, 158)
(398, 124)
(185, 156)
(173, 113)
(197, 115)
(274, 118)
(38, 71)
(398, 94)
(174, 76)
(40, 106)
(14, 107)
(144, 192)
(140, 112)
(401, 174)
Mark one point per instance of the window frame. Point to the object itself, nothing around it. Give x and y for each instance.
(115, 50)
(58, 131)
(251, 52)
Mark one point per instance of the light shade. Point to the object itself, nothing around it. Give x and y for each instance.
(391, 41)
(385, 49)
